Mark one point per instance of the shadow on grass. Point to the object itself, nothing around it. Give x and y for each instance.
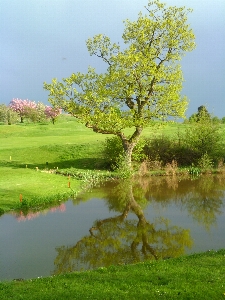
(81, 163)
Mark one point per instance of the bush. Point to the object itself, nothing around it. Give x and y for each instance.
(160, 149)
(113, 152)
(201, 143)
(200, 146)
(205, 162)
(216, 120)
(203, 137)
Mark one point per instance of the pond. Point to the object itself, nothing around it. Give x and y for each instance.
(116, 223)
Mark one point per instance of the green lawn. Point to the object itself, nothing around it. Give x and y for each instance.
(199, 276)
(29, 151)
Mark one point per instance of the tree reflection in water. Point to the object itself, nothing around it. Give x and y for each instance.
(202, 197)
(129, 237)
(120, 239)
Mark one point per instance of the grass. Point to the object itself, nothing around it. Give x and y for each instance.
(30, 155)
(30, 184)
(198, 276)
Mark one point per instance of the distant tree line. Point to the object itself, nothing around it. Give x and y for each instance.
(203, 113)
(20, 110)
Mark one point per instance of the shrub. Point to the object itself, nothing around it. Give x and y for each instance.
(205, 162)
(216, 120)
(113, 152)
(203, 137)
(159, 149)
(200, 145)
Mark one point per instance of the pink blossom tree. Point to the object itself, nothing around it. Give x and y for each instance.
(24, 108)
(52, 113)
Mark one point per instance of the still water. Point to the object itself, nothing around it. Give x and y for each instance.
(117, 223)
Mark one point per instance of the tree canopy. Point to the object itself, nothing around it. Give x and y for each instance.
(143, 79)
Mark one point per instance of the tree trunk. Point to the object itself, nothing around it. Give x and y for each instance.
(129, 144)
(128, 149)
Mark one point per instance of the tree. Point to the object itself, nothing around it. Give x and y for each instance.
(52, 113)
(202, 114)
(41, 112)
(142, 82)
(204, 138)
(24, 108)
(7, 115)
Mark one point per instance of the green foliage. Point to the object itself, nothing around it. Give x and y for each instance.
(195, 171)
(36, 114)
(7, 115)
(195, 144)
(112, 151)
(37, 202)
(205, 162)
(202, 114)
(138, 154)
(114, 155)
(91, 179)
(203, 137)
(143, 80)
(160, 149)
(193, 118)
(201, 144)
(216, 120)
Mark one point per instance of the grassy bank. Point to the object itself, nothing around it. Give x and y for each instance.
(31, 155)
(199, 276)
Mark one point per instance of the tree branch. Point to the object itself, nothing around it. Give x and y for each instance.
(99, 130)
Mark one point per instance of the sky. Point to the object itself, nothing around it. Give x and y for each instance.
(45, 39)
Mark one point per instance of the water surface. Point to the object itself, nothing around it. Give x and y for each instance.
(117, 223)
